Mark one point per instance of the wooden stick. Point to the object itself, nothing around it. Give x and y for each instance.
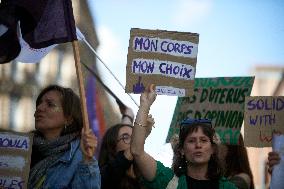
(81, 85)
(86, 125)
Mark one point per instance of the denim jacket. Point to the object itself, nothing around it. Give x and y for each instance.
(70, 172)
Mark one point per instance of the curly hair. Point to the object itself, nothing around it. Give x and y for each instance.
(179, 165)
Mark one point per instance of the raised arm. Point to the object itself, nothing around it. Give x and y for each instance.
(146, 164)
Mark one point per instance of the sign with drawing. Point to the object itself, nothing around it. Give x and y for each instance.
(166, 59)
(219, 99)
(264, 116)
(15, 158)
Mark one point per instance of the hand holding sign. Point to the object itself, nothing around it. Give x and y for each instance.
(273, 159)
(88, 144)
(148, 97)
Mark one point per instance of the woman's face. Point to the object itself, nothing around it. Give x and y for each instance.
(49, 116)
(197, 148)
(124, 138)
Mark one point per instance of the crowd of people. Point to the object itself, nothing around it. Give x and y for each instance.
(63, 151)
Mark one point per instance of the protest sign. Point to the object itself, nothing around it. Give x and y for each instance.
(164, 58)
(219, 99)
(15, 159)
(264, 116)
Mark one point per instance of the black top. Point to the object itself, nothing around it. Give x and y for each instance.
(204, 184)
(113, 174)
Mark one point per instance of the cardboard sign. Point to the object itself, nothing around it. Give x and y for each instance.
(264, 116)
(220, 99)
(15, 159)
(164, 58)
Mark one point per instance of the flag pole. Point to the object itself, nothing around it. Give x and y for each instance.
(81, 84)
(86, 124)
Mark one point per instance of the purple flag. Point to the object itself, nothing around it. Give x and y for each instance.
(91, 105)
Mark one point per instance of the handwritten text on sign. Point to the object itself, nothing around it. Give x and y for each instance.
(14, 142)
(164, 58)
(165, 46)
(15, 158)
(166, 68)
(264, 116)
(12, 183)
(218, 99)
(170, 91)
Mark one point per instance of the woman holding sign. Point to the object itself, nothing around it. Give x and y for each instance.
(195, 156)
(62, 155)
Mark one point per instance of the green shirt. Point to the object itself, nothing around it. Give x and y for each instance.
(165, 174)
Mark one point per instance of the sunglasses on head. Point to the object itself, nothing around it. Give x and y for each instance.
(185, 124)
(190, 121)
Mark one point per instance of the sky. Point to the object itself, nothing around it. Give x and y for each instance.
(234, 36)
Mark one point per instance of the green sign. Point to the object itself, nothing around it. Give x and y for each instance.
(220, 99)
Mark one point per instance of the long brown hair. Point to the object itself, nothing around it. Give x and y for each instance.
(237, 161)
(179, 163)
(108, 153)
(109, 142)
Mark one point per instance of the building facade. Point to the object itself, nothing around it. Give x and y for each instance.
(20, 83)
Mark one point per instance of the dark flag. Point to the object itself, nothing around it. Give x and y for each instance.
(42, 23)
(9, 44)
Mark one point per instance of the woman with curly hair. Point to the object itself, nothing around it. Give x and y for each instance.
(195, 159)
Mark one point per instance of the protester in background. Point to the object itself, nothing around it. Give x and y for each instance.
(236, 164)
(115, 160)
(195, 162)
(63, 152)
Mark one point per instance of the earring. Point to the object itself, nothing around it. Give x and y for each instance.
(184, 162)
(65, 126)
